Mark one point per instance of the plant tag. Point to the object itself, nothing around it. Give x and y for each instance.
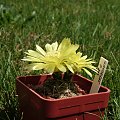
(99, 77)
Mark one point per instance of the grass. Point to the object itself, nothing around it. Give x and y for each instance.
(93, 24)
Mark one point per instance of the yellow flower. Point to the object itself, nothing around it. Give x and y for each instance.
(58, 58)
(82, 63)
(53, 59)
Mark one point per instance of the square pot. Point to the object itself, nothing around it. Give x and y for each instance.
(36, 107)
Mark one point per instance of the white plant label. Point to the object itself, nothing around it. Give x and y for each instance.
(99, 77)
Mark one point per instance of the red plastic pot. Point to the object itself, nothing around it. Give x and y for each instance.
(85, 107)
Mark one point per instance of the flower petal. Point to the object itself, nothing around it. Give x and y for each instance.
(38, 66)
(35, 66)
(31, 59)
(64, 44)
(34, 54)
(79, 54)
(61, 67)
(84, 57)
(54, 46)
(88, 72)
(48, 47)
(40, 50)
(50, 68)
(71, 50)
(69, 67)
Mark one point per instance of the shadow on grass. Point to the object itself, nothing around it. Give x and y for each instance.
(10, 115)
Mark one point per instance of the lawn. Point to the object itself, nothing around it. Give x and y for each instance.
(93, 24)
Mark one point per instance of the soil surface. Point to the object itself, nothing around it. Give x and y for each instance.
(58, 89)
